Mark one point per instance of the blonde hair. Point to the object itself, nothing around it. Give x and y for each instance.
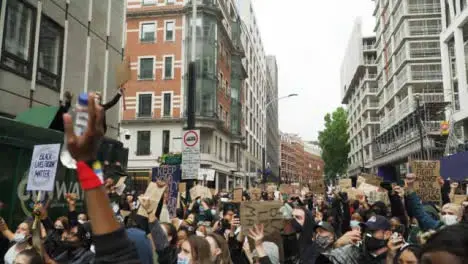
(454, 207)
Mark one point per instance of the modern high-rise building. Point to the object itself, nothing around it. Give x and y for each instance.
(257, 87)
(159, 48)
(359, 92)
(409, 74)
(49, 47)
(272, 129)
(454, 51)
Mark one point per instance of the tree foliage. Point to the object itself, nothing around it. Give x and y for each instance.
(334, 143)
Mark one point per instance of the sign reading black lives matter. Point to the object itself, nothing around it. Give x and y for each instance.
(427, 174)
(43, 168)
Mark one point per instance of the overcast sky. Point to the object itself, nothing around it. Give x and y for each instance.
(309, 38)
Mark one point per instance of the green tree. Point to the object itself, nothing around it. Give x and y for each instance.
(334, 143)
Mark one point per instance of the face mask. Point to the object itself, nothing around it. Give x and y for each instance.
(20, 238)
(92, 249)
(354, 223)
(323, 241)
(373, 244)
(59, 227)
(297, 226)
(82, 222)
(182, 260)
(200, 234)
(449, 219)
(68, 245)
(213, 212)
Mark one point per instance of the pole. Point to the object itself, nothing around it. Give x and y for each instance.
(421, 139)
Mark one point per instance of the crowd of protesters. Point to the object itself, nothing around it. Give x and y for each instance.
(318, 228)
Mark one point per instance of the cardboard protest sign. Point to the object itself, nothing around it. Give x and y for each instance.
(255, 194)
(121, 181)
(123, 72)
(352, 193)
(295, 189)
(182, 187)
(372, 179)
(266, 213)
(427, 180)
(317, 186)
(200, 191)
(43, 168)
(345, 184)
(150, 200)
(271, 188)
(237, 197)
(459, 198)
(285, 188)
(360, 180)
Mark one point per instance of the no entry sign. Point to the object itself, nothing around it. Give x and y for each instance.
(190, 154)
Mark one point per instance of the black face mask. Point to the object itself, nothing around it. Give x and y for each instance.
(373, 244)
(297, 226)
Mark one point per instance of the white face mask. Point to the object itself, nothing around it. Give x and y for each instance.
(19, 238)
(213, 212)
(449, 219)
(200, 234)
(81, 221)
(92, 249)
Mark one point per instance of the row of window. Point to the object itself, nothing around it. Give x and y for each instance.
(148, 31)
(146, 68)
(144, 142)
(145, 105)
(154, 2)
(18, 44)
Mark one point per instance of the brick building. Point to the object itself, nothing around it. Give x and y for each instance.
(299, 160)
(158, 47)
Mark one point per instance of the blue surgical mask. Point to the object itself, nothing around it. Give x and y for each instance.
(182, 260)
(354, 223)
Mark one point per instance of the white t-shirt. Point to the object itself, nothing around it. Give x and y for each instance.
(10, 256)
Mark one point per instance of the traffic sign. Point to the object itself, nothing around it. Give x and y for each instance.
(190, 154)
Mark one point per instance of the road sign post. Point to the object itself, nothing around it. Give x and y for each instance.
(190, 154)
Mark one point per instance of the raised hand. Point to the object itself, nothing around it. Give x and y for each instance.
(257, 234)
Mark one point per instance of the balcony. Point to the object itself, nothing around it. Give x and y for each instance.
(427, 98)
(366, 141)
(370, 120)
(370, 62)
(370, 76)
(367, 47)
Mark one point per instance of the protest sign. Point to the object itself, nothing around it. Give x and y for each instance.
(427, 175)
(296, 189)
(169, 174)
(372, 179)
(150, 200)
(317, 186)
(459, 198)
(43, 167)
(271, 188)
(266, 213)
(200, 191)
(360, 180)
(206, 174)
(255, 194)
(237, 197)
(121, 181)
(123, 72)
(345, 184)
(285, 188)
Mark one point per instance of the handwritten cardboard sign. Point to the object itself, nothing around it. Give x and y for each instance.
(200, 191)
(237, 197)
(427, 174)
(459, 198)
(271, 188)
(317, 186)
(266, 213)
(372, 179)
(360, 180)
(345, 184)
(123, 72)
(255, 194)
(285, 188)
(43, 167)
(150, 200)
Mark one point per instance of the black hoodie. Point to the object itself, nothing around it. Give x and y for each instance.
(308, 250)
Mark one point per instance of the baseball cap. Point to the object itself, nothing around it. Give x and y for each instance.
(377, 222)
(325, 225)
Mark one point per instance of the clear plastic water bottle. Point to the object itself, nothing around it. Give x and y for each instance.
(80, 117)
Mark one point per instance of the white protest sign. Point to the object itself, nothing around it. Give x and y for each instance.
(43, 168)
(206, 174)
(190, 154)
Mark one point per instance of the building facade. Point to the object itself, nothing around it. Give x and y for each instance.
(359, 92)
(453, 52)
(49, 47)
(272, 127)
(409, 76)
(159, 48)
(299, 160)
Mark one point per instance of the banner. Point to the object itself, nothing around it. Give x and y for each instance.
(170, 174)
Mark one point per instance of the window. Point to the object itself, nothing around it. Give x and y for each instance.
(143, 143)
(149, 2)
(145, 105)
(148, 32)
(168, 70)
(165, 141)
(50, 54)
(146, 68)
(18, 40)
(169, 32)
(170, 2)
(167, 104)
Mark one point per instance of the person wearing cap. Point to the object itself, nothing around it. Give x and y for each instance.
(324, 236)
(372, 250)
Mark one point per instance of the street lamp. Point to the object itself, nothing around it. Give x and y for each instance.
(264, 156)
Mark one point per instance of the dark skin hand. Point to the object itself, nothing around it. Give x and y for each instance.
(84, 148)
